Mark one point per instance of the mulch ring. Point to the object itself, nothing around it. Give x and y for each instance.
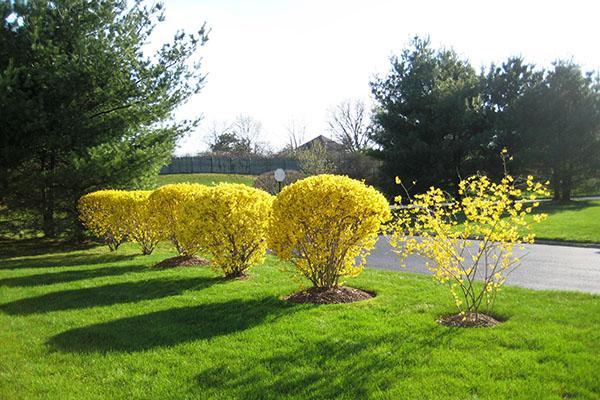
(182, 261)
(470, 320)
(241, 277)
(340, 294)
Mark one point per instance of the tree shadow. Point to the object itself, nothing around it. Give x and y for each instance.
(38, 246)
(65, 260)
(172, 326)
(551, 207)
(69, 276)
(350, 367)
(118, 293)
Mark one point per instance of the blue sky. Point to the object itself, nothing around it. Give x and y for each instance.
(291, 59)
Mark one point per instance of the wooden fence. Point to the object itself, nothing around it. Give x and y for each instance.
(227, 165)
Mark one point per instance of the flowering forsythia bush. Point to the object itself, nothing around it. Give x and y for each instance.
(231, 222)
(166, 204)
(117, 215)
(324, 224)
(471, 238)
(102, 212)
(140, 222)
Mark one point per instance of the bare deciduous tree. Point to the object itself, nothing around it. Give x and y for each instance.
(296, 131)
(242, 136)
(349, 123)
(249, 130)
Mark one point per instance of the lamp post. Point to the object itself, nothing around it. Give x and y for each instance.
(279, 175)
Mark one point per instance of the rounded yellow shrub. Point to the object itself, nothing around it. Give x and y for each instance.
(102, 212)
(232, 222)
(166, 205)
(140, 223)
(326, 225)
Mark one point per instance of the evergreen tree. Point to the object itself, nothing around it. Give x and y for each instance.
(504, 89)
(84, 106)
(563, 127)
(429, 118)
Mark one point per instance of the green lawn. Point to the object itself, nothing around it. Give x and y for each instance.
(205, 179)
(577, 221)
(88, 324)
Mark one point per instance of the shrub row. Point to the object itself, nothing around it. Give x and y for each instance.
(325, 225)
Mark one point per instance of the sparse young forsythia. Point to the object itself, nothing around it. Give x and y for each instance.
(102, 212)
(166, 204)
(231, 222)
(481, 248)
(324, 224)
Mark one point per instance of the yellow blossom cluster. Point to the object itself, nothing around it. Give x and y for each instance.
(166, 204)
(231, 221)
(116, 215)
(470, 238)
(102, 212)
(326, 225)
(140, 222)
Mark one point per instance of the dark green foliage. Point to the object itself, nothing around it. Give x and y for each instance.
(503, 90)
(563, 128)
(84, 105)
(437, 120)
(429, 117)
(230, 143)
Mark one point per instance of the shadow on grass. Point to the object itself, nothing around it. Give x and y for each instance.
(172, 326)
(118, 293)
(69, 276)
(65, 260)
(33, 247)
(551, 207)
(357, 367)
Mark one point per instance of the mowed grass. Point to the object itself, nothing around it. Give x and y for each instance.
(576, 221)
(89, 324)
(205, 179)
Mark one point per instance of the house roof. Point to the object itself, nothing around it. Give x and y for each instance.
(330, 145)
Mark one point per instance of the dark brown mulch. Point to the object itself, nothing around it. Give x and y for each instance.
(470, 320)
(240, 277)
(182, 261)
(340, 294)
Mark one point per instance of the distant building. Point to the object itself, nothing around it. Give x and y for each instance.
(331, 146)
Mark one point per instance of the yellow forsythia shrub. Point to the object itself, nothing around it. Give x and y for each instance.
(471, 238)
(102, 212)
(324, 224)
(140, 223)
(166, 205)
(232, 222)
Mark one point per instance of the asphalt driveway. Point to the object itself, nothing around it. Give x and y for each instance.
(543, 266)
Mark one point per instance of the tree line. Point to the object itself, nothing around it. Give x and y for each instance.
(85, 106)
(436, 120)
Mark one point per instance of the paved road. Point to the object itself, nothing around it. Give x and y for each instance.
(542, 267)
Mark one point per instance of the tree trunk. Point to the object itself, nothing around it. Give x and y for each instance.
(47, 206)
(49, 226)
(556, 187)
(78, 234)
(565, 195)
